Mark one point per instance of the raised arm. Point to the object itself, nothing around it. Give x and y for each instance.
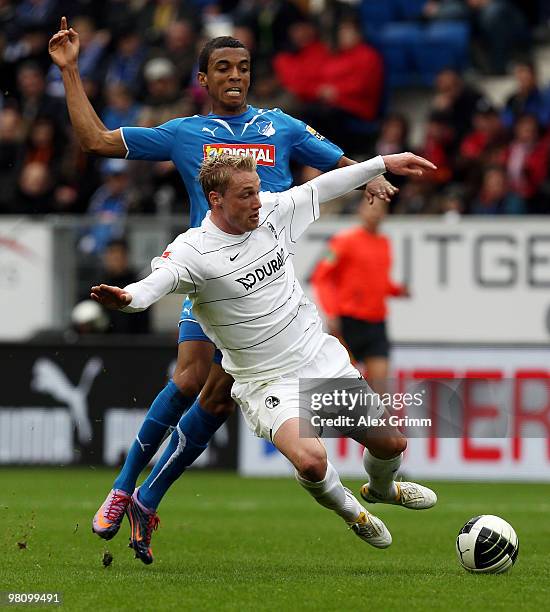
(94, 137)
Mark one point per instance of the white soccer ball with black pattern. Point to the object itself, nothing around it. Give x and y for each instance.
(487, 544)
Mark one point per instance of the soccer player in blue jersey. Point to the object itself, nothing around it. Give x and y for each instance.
(273, 138)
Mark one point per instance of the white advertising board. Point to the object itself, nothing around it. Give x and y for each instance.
(523, 454)
(476, 280)
(26, 278)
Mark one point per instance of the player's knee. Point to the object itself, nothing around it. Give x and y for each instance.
(399, 444)
(311, 464)
(218, 406)
(391, 446)
(188, 380)
(215, 398)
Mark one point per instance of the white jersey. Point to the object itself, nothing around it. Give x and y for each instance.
(244, 289)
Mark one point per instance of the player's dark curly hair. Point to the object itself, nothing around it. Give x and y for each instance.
(221, 42)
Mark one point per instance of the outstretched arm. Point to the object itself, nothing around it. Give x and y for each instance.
(93, 135)
(113, 298)
(136, 296)
(339, 182)
(378, 187)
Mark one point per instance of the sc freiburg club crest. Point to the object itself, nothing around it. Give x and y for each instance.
(272, 229)
(272, 402)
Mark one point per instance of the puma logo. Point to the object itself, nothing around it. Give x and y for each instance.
(211, 131)
(49, 378)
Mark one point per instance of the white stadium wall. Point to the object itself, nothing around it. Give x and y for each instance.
(477, 280)
(27, 285)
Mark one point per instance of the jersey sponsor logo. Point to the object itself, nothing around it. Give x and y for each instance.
(264, 154)
(272, 402)
(314, 133)
(265, 128)
(266, 270)
(166, 254)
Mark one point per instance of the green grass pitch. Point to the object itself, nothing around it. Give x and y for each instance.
(227, 543)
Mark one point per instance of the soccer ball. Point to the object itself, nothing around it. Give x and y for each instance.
(487, 544)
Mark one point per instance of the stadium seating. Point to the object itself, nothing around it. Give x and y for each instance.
(409, 9)
(414, 51)
(375, 14)
(442, 45)
(397, 42)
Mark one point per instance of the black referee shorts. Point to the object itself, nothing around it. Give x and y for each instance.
(365, 339)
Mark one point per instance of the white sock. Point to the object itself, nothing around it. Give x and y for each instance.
(331, 494)
(382, 473)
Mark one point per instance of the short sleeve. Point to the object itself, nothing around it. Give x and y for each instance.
(186, 264)
(153, 144)
(311, 148)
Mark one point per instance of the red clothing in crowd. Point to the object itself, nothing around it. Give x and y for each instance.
(437, 142)
(477, 143)
(474, 144)
(357, 75)
(299, 72)
(435, 150)
(354, 278)
(527, 166)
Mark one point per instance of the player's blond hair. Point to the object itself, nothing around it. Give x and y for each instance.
(216, 171)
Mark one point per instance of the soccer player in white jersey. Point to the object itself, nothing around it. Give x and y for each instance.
(237, 270)
(275, 139)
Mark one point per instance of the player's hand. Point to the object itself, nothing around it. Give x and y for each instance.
(113, 298)
(381, 188)
(408, 164)
(64, 46)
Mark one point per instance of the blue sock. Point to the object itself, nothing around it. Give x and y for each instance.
(165, 412)
(188, 441)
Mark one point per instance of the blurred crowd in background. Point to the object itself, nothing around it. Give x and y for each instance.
(337, 65)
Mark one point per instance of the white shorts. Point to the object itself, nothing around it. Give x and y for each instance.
(267, 404)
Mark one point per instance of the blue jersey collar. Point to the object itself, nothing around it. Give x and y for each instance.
(250, 110)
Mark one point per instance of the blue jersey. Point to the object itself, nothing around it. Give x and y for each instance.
(272, 137)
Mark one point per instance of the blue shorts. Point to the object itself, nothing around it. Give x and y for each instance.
(190, 329)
